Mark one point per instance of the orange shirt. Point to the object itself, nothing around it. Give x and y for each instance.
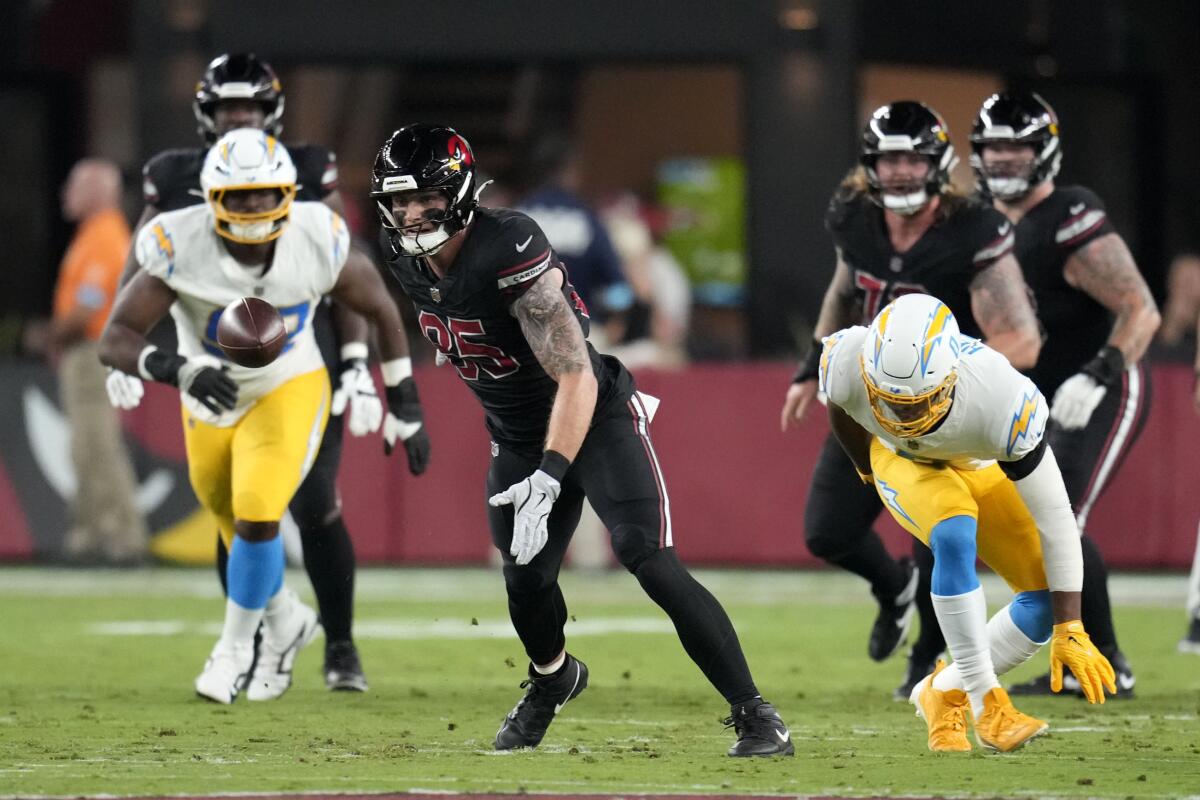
(91, 269)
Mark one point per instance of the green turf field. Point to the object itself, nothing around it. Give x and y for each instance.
(96, 671)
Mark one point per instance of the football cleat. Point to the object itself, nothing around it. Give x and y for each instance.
(545, 695)
(1001, 727)
(1190, 643)
(945, 714)
(760, 731)
(918, 668)
(895, 617)
(343, 670)
(282, 640)
(225, 672)
(1040, 685)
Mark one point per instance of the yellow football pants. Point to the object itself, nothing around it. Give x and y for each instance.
(920, 495)
(250, 470)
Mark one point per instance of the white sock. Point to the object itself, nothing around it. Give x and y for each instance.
(1009, 646)
(553, 666)
(240, 624)
(963, 618)
(280, 605)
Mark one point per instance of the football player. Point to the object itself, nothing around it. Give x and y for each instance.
(951, 438)
(565, 422)
(242, 91)
(252, 434)
(1098, 315)
(899, 227)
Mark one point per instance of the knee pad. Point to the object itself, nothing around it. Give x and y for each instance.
(526, 580)
(953, 544)
(633, 544)
(1032, 614)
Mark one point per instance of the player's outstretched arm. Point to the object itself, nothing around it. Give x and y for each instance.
(1105, 270)
(360, 287)
(1040, 485)
(839, 309)
(557, 342)
(1001, 305)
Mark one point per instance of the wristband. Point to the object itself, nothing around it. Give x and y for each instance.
(554, 464)
(810, 367)
(354, 351)
(396, 370)
(141, 362)
(1107, 367)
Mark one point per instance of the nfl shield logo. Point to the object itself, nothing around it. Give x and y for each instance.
(436, 294)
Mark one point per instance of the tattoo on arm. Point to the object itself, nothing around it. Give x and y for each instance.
(551, 329)
(840, 308)
(1104, 269)
(1000, 300)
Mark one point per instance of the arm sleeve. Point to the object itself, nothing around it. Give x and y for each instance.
(518, 270)
(1084, 218)
(336, 244)
(838, 369)
(154, 249)
(1045, 495)
(994, 237)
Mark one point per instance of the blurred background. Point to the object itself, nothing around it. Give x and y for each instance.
(707, 135)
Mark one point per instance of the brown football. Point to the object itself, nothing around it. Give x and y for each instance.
(251, 332)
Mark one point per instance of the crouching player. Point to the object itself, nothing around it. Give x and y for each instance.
(952, 438)
(252, 434)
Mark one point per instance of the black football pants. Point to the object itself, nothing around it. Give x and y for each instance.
(618, 472)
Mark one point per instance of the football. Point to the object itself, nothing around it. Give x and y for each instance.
(251, 332)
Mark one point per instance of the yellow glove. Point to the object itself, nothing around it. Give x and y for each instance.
(1070, 645)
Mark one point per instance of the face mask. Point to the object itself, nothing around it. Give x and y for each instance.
(905, 204)
(254, 232)
(424, 244)
(1008, 188)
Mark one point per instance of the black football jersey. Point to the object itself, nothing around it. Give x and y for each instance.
(466, 316)
(171, 179)
(942, 263)
(1076, 325)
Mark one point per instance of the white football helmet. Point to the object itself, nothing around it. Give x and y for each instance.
(242, 160)
(910, 364)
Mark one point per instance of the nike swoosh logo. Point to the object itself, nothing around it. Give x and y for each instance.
(783, 735)
(558, 706)
(1077, 208)
(521, 247)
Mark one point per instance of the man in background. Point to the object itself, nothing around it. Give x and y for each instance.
(105, 523)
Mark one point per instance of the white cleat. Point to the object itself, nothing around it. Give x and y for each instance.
(282, 640)
(226, 672)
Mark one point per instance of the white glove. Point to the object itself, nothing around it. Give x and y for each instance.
(124, 391)
(1075, 401)
(356, 390)
(531, 500)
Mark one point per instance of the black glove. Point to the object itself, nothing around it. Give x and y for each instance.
(202, 377)
(405, 421)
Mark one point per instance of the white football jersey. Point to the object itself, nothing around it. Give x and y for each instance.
(182, 249)
(997, 413)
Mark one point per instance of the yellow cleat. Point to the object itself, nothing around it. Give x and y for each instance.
(1001, 727)
(944, 712)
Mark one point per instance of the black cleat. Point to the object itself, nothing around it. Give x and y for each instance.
(1041, 684)
(918, 669)
(895, 617)
(343, 670)
(760, 731)
(545, 695)
(1190, 643)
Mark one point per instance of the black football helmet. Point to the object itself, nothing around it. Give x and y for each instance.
(907, 126)
(1016, 118)
(238, 76)
(422, 156)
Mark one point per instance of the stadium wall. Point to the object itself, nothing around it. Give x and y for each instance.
(736, 485)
